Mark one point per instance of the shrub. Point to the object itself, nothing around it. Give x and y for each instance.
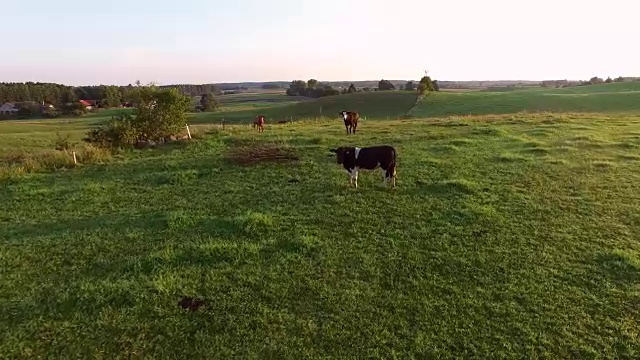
(50, 114)
(118, 132)
(63, 143)
(159, 114)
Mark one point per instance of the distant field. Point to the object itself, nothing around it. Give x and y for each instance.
(607, 98)
(508, 236)
(373, 105)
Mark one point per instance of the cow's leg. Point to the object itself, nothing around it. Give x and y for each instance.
(355, 125)
(391, 172)
(355, 177)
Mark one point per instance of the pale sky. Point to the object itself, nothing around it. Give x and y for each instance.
(203, 41)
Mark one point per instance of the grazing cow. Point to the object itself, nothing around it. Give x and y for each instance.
(354, 159)
(259, 122)
(350, 120)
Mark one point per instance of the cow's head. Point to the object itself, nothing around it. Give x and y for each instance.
(341, 153)
(344, 114)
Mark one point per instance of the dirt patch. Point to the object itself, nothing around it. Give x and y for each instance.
(252, 153)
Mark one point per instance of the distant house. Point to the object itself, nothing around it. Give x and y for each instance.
(8, 109)
(88, 104)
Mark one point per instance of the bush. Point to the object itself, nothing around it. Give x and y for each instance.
(50, 114)
(63, 143)
(119, 132)
(425, 85)
(385, 85)
(159, 114)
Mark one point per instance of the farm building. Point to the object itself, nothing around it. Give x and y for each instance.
(8, 109)
(87, 103)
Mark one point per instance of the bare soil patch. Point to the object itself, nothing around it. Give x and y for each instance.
(252, 153)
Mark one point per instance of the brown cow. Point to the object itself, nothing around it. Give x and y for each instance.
(350, 120)
(259, 122)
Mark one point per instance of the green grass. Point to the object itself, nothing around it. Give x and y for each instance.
(372, 105)
(606, 98)
(486, 249)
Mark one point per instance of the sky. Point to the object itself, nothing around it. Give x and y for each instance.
(210, 41)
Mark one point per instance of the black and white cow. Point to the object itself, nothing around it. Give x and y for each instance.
(354, 159)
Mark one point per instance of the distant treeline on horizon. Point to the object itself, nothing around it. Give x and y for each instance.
(58, 94)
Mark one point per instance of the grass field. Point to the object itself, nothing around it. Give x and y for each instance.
(605, 98)
(373, 105)
(507, 237)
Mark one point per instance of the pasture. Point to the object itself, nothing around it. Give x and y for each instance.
(508, 236)
(604, 98)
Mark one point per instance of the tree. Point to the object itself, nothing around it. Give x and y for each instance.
(312, 83)
(619, 79)
(595, 80)
(297, 88)
(410, 86)
(436, 86)
(208, 102)
(352, 89)
(112, 96)
(69, 96)
(385, 85)
(158, 114)
(609, 80)
(425, 85)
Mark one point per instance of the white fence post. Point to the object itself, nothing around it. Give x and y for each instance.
(188, 132)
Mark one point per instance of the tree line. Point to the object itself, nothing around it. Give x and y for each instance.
(314, 89)
(102, 95)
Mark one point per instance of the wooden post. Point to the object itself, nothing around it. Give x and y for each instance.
(188, 132)
(75, 160)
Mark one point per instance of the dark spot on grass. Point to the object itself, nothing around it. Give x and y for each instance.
(255, 153)
(191, 304)
(603, 164)
(557, 161)
(510, 157)
(536, 150)
(620, 266)
(461, 142)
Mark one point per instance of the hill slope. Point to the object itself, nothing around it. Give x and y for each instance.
(619, 97)
(372, 105)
